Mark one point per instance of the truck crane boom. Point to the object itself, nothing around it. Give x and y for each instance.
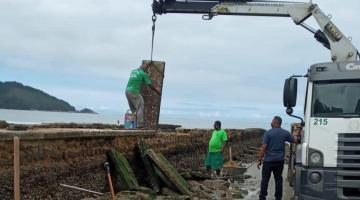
(330, 36)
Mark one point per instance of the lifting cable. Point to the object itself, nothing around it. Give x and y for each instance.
(153, 18)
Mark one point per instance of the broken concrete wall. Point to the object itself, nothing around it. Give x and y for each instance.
(49, 157)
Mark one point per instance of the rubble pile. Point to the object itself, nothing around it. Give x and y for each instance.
(162, 181)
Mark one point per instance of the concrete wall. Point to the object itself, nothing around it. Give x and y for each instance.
(73, 156)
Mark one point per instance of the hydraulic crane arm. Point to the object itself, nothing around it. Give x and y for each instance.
(330, 36)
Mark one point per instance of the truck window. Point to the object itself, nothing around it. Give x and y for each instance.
(336, 99)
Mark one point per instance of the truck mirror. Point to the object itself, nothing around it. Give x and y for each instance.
(290, 92)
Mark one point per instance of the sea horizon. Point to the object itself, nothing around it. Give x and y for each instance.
(39, 117)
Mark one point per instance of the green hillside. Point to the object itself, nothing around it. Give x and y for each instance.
(14, 95)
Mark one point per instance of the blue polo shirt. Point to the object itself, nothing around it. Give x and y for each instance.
(275, 139)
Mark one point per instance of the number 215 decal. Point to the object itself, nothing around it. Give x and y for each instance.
(320, 122)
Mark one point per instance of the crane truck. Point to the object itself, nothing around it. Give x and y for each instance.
(327, 162)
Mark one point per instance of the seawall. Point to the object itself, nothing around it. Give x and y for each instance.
(50, 156)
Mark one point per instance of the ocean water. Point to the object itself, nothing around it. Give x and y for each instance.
(38, 117)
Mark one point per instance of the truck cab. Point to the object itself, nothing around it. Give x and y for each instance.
(327, 162)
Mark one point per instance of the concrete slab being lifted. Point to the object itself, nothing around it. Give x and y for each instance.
(152, 100)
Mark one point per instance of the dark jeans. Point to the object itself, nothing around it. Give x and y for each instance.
(277, 169)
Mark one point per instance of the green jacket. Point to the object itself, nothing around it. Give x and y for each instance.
(137, 78)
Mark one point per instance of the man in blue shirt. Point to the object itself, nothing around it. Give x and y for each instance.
(272, 155)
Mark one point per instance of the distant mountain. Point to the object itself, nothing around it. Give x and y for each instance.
(87, 110)
(14, 95)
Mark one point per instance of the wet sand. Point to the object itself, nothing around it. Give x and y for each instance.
(252, 185)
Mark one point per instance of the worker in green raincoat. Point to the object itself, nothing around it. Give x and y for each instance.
(215, 160)
(137, 79)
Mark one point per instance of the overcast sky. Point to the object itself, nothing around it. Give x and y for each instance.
(231, 68)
